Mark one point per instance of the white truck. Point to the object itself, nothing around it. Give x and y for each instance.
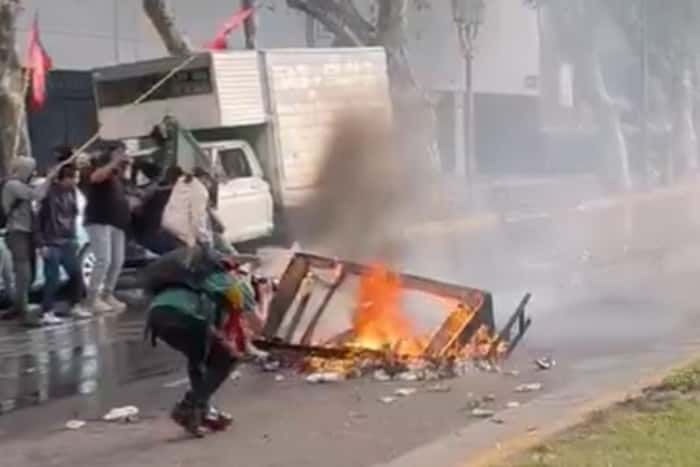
(262, 117)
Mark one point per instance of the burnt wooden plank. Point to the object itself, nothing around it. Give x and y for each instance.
(463, 294)
(311, 328)
(286, 292)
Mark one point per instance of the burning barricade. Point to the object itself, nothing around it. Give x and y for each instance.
(381, 339)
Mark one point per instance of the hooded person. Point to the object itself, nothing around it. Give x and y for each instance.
(17, 197)
(207, 323)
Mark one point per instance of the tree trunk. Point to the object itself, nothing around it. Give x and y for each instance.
(11, 87)
(250, 27)
(611, 134)
(164, 23)
(684, 135)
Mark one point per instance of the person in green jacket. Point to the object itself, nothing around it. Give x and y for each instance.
(196, 322)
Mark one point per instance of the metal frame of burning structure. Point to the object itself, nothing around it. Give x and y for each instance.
(468, 333)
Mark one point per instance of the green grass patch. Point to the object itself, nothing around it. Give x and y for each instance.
(651, 431)
(683, 380)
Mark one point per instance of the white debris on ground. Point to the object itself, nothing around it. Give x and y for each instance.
(75, 424)
(387, 400)
(545, 363)
(325, 377)
(381, 376)
(125, 414)
(478, 412)
(279, 378)
(530, 387)
(405, 392)
(513, 405)
(235, 375)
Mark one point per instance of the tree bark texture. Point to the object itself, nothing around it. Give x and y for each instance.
(11, 86)
(250, 27)
(164, 23)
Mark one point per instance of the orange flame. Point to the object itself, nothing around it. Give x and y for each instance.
(378, 322)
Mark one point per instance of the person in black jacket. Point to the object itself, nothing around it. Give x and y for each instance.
(59, 243)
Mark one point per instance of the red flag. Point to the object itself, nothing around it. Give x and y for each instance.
(38, 63)
(219, 42)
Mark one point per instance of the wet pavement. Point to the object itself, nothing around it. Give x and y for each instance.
(610, 285)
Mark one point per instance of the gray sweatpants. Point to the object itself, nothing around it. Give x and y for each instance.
(108, 244)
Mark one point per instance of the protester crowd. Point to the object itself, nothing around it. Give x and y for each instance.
(170, 210)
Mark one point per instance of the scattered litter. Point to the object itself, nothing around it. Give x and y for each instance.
(430, 375)
(513, 405)
(482, 413)
(235, 375)
(127, 414)
(498, 421)
(489, 398)
(439, 387)
(387, 400)
(545, 363)
(30, 370)
(512, 373)
(271, 366)
(585, 256)
(176, 383)
(408, 376)
(531, 387)
(405, 392)
(473, 404)
(381, 375)
(483, 365)
(75, 424)
(325, 377)
(279, 378)
(487, 366)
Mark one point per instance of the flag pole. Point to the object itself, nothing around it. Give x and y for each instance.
(22, 112)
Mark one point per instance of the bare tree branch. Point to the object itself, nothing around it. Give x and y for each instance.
(330, 14)
(163, 21)
(250, 26)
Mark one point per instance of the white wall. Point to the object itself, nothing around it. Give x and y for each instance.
(508, 50)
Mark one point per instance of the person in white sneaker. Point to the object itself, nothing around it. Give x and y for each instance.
(59, 241)
(107, 218)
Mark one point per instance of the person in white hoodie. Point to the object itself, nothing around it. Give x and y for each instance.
(186, 216)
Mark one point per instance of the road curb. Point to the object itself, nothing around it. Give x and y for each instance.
(579, 414)
(484, 443)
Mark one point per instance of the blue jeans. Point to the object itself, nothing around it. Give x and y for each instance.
(63, 255)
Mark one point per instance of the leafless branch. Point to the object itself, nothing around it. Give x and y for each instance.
(164, 23)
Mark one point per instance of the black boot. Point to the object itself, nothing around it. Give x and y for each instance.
(189, 417)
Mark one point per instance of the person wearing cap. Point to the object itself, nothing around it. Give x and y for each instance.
(17, 197)
(208, 326)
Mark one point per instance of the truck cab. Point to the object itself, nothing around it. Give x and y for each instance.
(244, 204)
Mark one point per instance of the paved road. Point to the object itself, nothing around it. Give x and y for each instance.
(615, 296)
